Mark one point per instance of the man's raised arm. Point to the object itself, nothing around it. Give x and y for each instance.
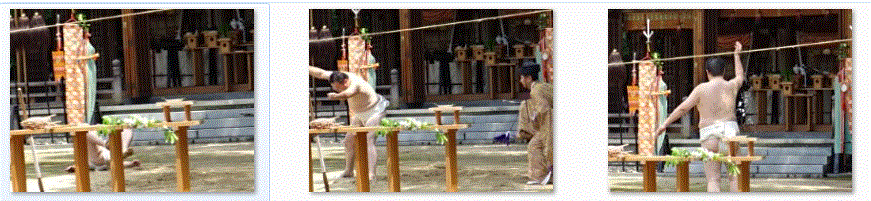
(319, 73)
(739, 68)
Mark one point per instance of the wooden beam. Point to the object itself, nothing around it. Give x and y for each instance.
(672, 19)
(411, 59)
(699, 74)
(16, 157)
(753, 13)
(130, 71)
(405, 54)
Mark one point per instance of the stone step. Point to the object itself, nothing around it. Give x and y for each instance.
(198, 114)
(698, 168)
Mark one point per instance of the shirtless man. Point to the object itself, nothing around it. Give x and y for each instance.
(99, 155)
(366, 108)
(715, 101)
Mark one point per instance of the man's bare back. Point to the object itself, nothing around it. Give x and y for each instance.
(716, 101)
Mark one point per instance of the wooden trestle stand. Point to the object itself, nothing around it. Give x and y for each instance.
(80, 150)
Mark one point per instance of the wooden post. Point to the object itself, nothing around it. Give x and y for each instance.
(456, 117)
(744, 180)
(167, 114)
(492, 81)
(187, 113)
(733, 148)
(117, 161)
(19, 178)
(362, 166)
(699, 74)
(451, 160)
(227, 77)
(750, 151)
(311, 180)
(683, 178)
(649, 176)
(438, 117)
(393, 162)
(182, 165)
(80, 153)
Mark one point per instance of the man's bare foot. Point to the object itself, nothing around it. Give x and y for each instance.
(135, 163)
(127, 153)
(348, 174)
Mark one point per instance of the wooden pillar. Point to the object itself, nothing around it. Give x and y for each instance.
(80, 153)
(451, 160)
(413, 83)
(699, 74)
(649, 178)
(744, 180)
(117, 161)
(393, 162)
(362, 166)
(683, 178)
(19, 178)
(311, 180)
(182, 165)
(137, 77)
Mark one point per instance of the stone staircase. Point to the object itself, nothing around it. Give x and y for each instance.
(223, 119)
(786, 154)
(486, 120)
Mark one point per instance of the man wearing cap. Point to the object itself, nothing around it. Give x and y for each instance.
(535, 123)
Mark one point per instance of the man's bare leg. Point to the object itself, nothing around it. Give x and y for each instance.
(712, 168)
(375, 120)
(733, 183)
(373, 154)
(349, 155)
(126, 138)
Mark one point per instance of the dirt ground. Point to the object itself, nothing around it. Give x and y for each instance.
(631, 182)
(482, 168)
(220, 167)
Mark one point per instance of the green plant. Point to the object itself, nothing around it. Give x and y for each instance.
(412, 125)
(490, 45)
(843, 50)
(786, 75)
(704, 155)
(542, 20)
(137, 122)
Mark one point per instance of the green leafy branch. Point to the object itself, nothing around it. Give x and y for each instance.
(412, 125)
(137, 122)
(704, 155)
(843, 50)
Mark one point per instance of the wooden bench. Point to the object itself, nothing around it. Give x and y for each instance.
(682, 168)
(80, 151)
(361, 166)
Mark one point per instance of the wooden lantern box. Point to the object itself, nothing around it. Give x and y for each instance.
(518, 51)
(774, 81)
(211, 38)
(818, 81)
(461, 53)
(191, 40)
(490, 58)
(786, 87)
(756, 81)
(225, 44)
(478, 52)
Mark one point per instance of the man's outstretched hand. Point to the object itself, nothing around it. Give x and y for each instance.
(660, 130)
(738, 47)
(333, 95)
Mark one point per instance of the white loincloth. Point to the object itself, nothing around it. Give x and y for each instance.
(720, 130)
